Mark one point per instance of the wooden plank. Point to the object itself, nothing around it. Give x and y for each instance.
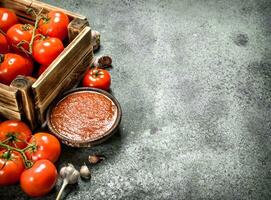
(10, 114)
(20, 6)
(9, 98)
(70, 81)
(24, 85)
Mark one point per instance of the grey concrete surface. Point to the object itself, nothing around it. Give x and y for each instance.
(194, 81)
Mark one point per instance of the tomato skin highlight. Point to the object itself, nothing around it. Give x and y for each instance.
(3, 44)
(7, 19)
(11, 168)
(13, 65)
(56, 25)
(97, 78)
(46, 50)
(15, 128)
(18, 33)
(48, 147)
(40, 179)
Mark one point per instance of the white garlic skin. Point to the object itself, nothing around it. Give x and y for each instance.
(85, 172)
(95, 39)
(73, 178)
(64, 171)
(70, 174)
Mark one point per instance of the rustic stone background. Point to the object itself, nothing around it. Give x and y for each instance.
(194, 81)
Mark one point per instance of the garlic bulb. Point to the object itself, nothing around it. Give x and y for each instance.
(69, 175)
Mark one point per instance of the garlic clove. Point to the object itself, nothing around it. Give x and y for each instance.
(62, 172)
(85, 172)
(66, 170)
(96, 40)
(105, 61)
(102, 62)
(94, 159)
(71, 165)
(73, 178)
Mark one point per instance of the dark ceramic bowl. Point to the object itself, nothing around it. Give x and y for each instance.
(93, 141)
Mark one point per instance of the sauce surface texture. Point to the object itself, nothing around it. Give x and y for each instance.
(83, 116)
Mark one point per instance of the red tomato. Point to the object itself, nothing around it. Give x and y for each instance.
(42, 69)
(11, 167)
(55, 25)
(17, 131)
(3, 44)
(18, 33)
(7, 19)
(12, 65)
(46, 50)
(48, 147)
(97, 78)
(39, 179)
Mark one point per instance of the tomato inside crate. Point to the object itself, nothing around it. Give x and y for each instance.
(28, 98)
(39, 37)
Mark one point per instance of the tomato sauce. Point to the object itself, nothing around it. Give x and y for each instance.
(84, 116)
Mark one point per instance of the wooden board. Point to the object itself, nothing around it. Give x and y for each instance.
(9, 98)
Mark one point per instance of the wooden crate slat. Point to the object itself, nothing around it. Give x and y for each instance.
(69, 82)
(24, 85)
(9, 98)
(10, 114)
(20, 7)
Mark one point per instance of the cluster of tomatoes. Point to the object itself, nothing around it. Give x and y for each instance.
(23, 45)
(28, 158)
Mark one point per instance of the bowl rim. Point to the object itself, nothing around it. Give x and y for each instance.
(92, 141)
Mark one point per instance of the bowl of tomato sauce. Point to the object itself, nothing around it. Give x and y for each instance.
(84, 117)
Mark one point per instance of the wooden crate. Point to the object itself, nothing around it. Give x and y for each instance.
(26, 98)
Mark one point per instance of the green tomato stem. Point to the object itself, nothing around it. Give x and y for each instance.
(27, 162)
(38, 18)
(6, 140)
